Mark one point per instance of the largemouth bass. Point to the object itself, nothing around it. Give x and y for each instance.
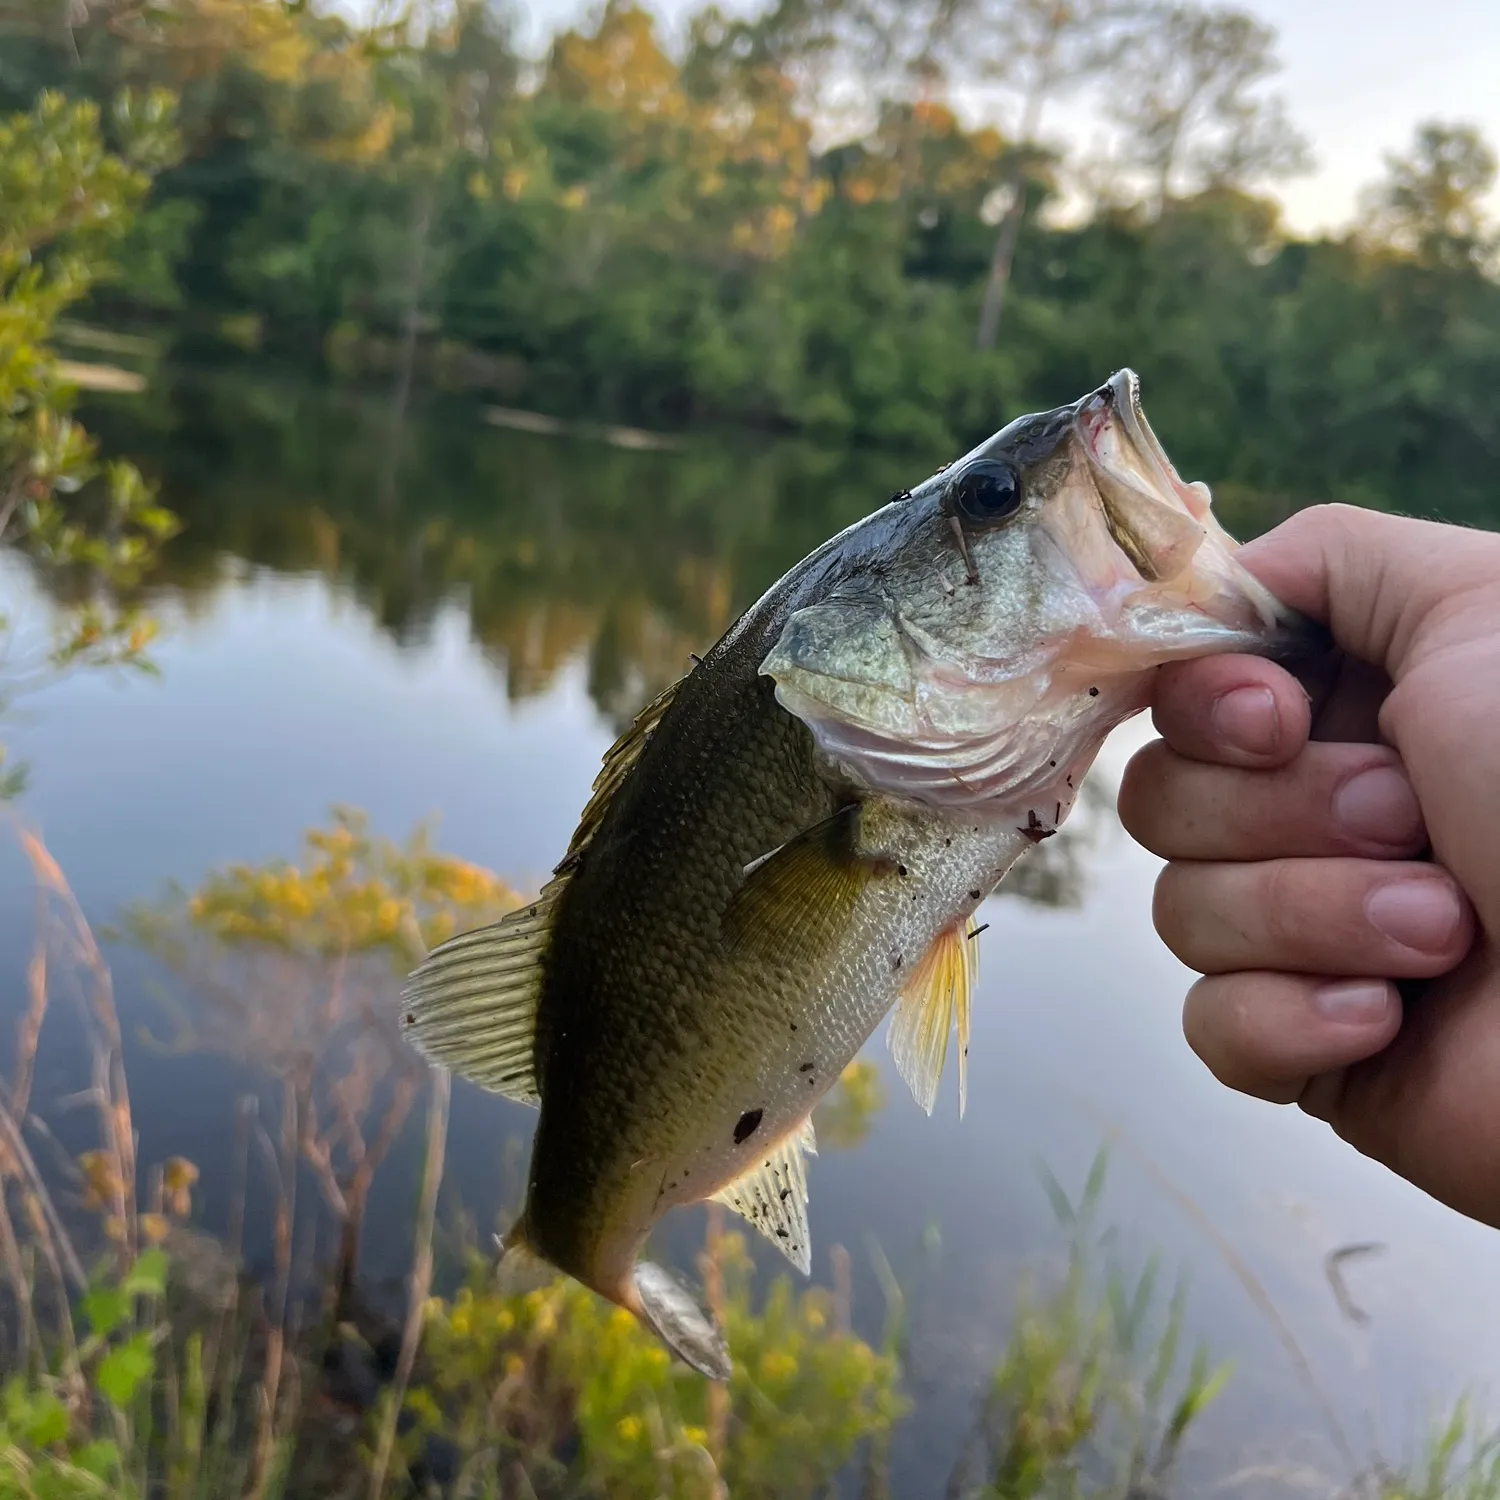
(792, 841)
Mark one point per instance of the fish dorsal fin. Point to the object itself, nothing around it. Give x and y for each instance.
(772, 1196)
(471, 1005)
(618, 762)
(798, 898)
(935, 999)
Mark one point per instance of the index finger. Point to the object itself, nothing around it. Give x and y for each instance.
(1232, 711)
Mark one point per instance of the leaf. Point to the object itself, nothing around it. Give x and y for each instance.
(122, 1370)
(46, 1421)
(106, 1307)
(148, 1276)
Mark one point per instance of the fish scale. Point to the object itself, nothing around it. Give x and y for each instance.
(790, 844)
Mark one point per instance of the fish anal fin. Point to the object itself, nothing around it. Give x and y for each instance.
(665, 1305)
(936, 999)
(772, 1197)
(471, 1004)
(797, 899)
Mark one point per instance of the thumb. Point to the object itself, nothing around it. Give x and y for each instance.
(1373, 579)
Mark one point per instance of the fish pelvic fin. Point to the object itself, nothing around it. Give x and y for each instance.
(520, 1268)
(934, 1002)
(665, 1305)
(472, 1004)
(772, 1196)
(797, 899)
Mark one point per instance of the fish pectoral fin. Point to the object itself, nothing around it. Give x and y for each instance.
(935, 999)
(665, 1305)
(471, 1005)
(797, 899)
(772, 1196)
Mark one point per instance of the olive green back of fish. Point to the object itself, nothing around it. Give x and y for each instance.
(645, 1026)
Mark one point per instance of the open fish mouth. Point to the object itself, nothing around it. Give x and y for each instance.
(1170, 585)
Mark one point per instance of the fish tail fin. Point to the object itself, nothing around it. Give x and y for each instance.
(665, 1305)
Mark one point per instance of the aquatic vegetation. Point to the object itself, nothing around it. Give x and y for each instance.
(1090, 1398)
(561, 1364)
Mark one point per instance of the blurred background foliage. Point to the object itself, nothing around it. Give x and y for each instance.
(787, 222)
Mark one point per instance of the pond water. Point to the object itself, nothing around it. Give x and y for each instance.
(434, 618)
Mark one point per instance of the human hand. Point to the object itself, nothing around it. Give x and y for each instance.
(1293, 835)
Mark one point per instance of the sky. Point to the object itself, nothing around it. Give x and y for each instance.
(1359, 75)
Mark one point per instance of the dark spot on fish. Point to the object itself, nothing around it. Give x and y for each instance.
(901, 495)
(785, 1194)
(901, 869)
(895, 961)
(794, 1025)
(947, 843)
(531, 911)
(974, 895)
(1035, 830)
(782, 1234)
(1069, 778)
(805, 1068)
(411, 1018)
(1093, 692)
(746, 1126)
(1057, 816)
(1053, 764)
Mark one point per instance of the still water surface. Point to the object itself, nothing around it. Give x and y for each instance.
(435, 618)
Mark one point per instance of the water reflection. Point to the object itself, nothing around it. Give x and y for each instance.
(584, 575)
(559, 550)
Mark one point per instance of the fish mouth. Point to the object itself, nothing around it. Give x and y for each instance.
(1168, 582)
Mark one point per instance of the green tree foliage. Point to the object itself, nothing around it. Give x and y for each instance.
(627, 229)
(67, 202)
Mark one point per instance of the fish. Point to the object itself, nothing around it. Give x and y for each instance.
(791, 842)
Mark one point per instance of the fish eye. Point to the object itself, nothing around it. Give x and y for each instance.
(986, 491)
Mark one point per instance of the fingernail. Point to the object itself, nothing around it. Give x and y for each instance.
(1379, 805)
(1422, 914)
(1247, 719)
(1356, 1002)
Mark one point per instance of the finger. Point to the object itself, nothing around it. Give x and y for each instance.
(1271, 1034)
(1333, 799)
(1425, 1104)
(1372, 578)
(1231, 710)
(1393, 920)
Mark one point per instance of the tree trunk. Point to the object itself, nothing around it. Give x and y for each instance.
(1004, 254)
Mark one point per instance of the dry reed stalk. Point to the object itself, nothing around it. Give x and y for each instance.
(59, 1242)
(27, 1337)
(283, 1166)
(29, 1027)
(111, 1095)
(420, 1280)
(713, 1290)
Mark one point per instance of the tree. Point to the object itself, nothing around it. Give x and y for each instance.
(1431, 204)
(1035, 50)
(1183, 91)
(65, 201)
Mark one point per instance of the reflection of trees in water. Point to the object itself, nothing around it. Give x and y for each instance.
(557, 549)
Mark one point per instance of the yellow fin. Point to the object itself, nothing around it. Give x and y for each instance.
(935, 999)
(471, 1004)
(772, 1196)
(798, 898)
